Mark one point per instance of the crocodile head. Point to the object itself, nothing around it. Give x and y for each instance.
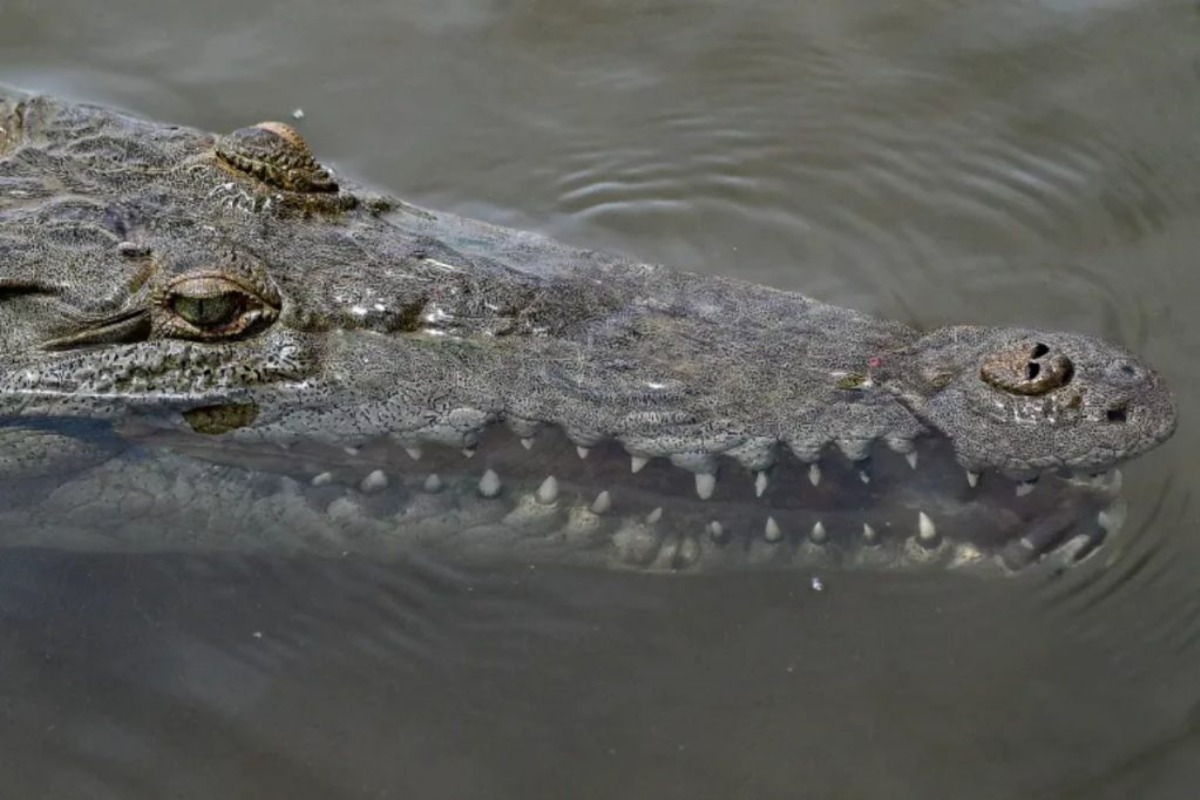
(239, 320)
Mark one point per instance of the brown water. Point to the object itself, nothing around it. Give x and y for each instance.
(1017, 162)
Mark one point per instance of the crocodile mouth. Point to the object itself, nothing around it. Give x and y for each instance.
(551, 501)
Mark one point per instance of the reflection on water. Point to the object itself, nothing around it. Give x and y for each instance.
(1027, 163)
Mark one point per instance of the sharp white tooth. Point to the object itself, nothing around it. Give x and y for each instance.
(911, 458)
(351, 451)
(322, 479)
(373, 482)
(583, 451)
(689, 551)
(469, 452)
(433, 483)
(869, 533)
(413, 451)
(864, 477)
(1112, 518)
(637, 462)
(814, 473)
(760, 483)
(715, 530)
(527, 442)
(771, 532)
(1025, 487)
(818, 533)
(705, 484)
(547, 493)
(972, 478)
(489, 484)
(654, 516)
(926, 531)
(603, 503)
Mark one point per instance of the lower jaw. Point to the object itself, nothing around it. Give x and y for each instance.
(505, 502)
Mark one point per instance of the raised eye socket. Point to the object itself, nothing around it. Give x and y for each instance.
(209, 306)
(277, 155)
(1027, 369)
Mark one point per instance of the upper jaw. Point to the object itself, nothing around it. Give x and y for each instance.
(1028, 403)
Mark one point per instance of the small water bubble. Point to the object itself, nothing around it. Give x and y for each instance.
(817, 584)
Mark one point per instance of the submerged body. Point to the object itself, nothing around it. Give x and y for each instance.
(210, 342)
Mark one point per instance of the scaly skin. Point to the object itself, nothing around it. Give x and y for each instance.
(221, 319)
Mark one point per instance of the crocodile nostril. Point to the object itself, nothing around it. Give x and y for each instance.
(1039, 350)
(1117, 414)
(1031, 370)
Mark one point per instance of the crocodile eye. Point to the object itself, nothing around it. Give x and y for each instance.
(1032, 368)
(210, 312)
(212, 306)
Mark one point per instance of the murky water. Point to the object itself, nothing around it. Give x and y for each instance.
(1021, 162)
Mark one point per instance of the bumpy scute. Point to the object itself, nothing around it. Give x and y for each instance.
(277, 155)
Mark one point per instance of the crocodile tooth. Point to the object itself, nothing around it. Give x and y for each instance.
(869, 534)
(771, 531)
(583, 451)
(926, 531)
(547, 493)
(655, 515)
(413, 451)
(864, 476)
(373, 482)
(637, 462)
(760, 483)
(818, 533)
(715, 530)
(433, 483)
(1112, 518)
(1025, 487)
(814, 473)
(489, 484)
(469, 452)
(689, 552)
(603, 503)
(350, 451)
(972, 478)
(322, 479)
(706, 483)
(527, 442)
(911, 458)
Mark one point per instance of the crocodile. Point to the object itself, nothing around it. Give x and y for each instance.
(215, 342)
